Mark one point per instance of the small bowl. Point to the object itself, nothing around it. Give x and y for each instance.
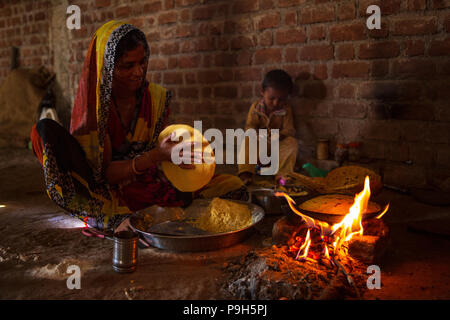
(266, 199)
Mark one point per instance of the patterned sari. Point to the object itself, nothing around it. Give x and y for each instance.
(73, 163)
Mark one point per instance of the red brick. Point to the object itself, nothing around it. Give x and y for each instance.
(417, 4)
(299, 72)
(266, 4)
(185, 31)
(209, 76)
(314, 90)
(157, 64)
(439, 47)
(271, 20)
(316, 52)
(414, 47)
(447, 24)
(168, 17)
(152, 7)
(440, 4)
(346, 11)
(188, 92)
(291, 55)
(244, 58)
(286, 36)
(169, 4)
(210, 28)
(349, 110)
(379, 68)
(345, 52)
(102, 3)
(227, 92)
(290, 3)
(378, 90)
(410, 91)
(321, 72)
(224, 59)
(351, 70)
(204, 12)
(244, 6)
(185, 15)
(317, 14)
(124, 11)
(173, 62)
(206, 44)
(382, 130)
(379, 50)
(172, 78)
(349, 32)
(317, 32)
(168, 48)
(414, 68)
(191, 61)
(328, 128)
(290, 18)
(265, 38)
(270, 55)
(247, 74)
(387, 7)
(383, 32)
(242, 42)
(346, 91)
(185, 3)
(416, 26)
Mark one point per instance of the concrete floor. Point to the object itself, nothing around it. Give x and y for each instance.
(38, 242)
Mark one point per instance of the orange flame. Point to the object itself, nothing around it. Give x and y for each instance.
(304, 247)
(351, 224)
(343, 231)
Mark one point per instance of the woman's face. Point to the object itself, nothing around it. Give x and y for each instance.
(130, 69)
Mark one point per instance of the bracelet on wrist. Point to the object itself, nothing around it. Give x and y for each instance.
(133, 167)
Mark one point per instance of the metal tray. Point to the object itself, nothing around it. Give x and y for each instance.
(169, 231)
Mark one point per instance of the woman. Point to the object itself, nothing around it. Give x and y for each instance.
(106, 168)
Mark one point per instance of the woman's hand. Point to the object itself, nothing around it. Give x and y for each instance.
(165, 149)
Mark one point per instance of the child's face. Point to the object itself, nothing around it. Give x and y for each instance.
(274, 98)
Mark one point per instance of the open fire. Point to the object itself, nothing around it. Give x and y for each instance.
(323, 240)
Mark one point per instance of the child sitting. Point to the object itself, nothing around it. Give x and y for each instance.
(272, 112)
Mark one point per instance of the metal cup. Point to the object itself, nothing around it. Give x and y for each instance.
(125, 252)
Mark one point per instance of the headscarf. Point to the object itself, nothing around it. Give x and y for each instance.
(91, 108)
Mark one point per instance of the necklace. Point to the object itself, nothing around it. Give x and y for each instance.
(125, 128)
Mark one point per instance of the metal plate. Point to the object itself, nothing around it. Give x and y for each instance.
(169, 231)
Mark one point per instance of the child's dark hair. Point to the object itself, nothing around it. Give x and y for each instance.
(131, 41)
(278, 79)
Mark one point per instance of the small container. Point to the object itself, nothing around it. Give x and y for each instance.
(341, 153)
(125, 252)
(322, 149)
(354, 151)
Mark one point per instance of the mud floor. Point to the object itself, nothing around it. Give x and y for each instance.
(38, 243)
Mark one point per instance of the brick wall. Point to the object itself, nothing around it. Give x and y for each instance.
(388, 88)
(24, 24)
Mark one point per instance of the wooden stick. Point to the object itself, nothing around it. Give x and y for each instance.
(349, 278)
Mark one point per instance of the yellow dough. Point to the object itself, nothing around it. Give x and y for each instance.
(188, 180)
(224, 216)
